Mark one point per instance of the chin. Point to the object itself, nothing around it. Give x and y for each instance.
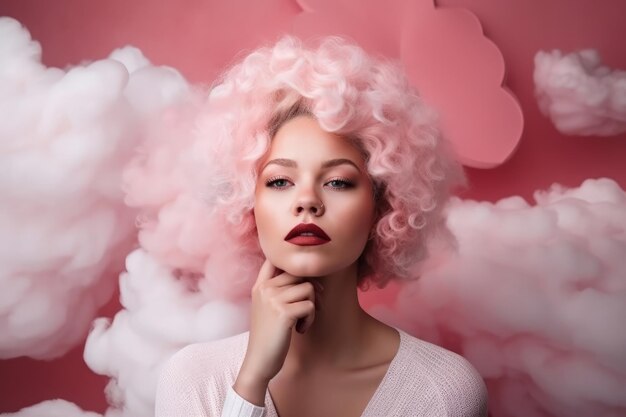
(308, 267)
(306, 270)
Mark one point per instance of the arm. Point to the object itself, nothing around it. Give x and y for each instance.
(473, 398)
(236, 406)
(190, 384)
(477, 394)
(175, 394)
(276, 309)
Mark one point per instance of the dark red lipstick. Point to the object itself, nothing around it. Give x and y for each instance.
(307, 234)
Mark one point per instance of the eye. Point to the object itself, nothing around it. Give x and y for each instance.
(340, 183)
(277, 182)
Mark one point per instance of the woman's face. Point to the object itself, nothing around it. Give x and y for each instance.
(312, 176)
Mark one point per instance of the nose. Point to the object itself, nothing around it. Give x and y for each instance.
(308, 202)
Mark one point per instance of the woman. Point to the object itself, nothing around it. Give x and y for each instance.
(339, 180)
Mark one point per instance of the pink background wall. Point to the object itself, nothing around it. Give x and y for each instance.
(177, 34)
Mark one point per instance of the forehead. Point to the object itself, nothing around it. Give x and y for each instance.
(303, 138)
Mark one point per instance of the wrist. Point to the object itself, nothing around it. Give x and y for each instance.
(251, 387)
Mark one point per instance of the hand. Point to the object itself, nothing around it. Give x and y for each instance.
(279, 302)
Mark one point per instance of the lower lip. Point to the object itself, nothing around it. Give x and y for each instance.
(307, 240)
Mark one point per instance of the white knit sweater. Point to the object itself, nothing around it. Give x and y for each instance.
(423, 379)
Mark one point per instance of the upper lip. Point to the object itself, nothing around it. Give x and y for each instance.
(307, 227)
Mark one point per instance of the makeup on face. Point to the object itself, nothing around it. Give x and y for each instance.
(307, 234)
(314, 203)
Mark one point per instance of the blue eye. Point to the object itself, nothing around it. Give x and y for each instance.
(282, 183)
(340, 184)
(276, 183)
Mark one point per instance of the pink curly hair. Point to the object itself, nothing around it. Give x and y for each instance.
(364, 99)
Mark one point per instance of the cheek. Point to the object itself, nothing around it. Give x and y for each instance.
(357, 218)
(265, 219)
(260, 217)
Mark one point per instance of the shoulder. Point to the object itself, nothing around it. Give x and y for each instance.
(456, 381)
(206, 358)
(195, 379)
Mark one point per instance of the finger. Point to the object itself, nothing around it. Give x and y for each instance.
(318, 285)
(285, 279)
(299, 292)
(300, 326)
(266, 272)
(303, 294)
(319, 290)
(303, 310)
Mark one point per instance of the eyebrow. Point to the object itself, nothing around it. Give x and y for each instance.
(290, 163)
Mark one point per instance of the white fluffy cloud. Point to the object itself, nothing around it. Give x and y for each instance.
(162, 313)
(579, 94)
(64, 138)
(52, 408)
(535, 299)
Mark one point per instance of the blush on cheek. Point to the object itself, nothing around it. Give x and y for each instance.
(264, 240)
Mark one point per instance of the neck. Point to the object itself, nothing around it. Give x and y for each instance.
(336, 336)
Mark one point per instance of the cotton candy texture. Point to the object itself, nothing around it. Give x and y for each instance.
(534, 298)
(64, 139)
(579, 94)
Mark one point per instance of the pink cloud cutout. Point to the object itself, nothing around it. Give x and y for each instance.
(454, 66)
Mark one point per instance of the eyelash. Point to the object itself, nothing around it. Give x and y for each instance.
(346, 183)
